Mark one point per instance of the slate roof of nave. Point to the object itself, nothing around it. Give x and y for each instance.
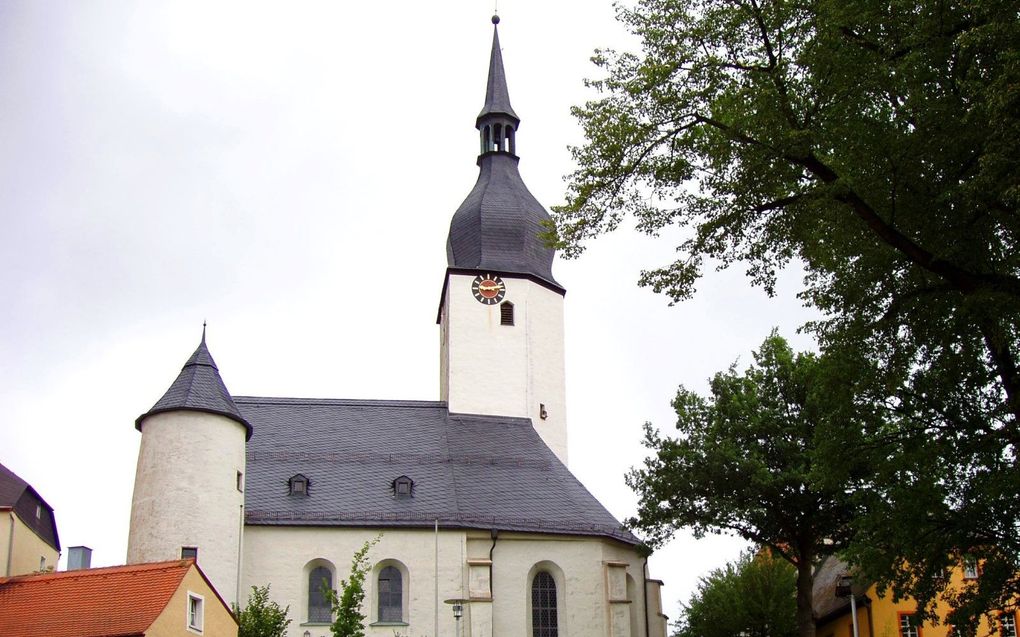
(469, 471)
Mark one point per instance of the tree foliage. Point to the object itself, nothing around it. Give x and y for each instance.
(348, 620)
(261, 617)
(753, 596)
(877, 144)
(744, 462)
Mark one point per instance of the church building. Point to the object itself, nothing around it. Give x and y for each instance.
(482, 529)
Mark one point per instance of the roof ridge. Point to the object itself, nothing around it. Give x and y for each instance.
(100, 570)
(298, 401)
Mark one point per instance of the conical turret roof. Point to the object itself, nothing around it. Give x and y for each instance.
(498, 228)
(198, 388)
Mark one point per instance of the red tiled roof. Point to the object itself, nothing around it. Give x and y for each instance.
(117, 601)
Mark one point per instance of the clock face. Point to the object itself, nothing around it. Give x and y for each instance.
(488, 289)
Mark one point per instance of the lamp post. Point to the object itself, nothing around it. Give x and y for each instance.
(844, 588)
(458, 610)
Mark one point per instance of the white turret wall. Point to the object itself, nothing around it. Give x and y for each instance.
(186, 494)
(506, 370)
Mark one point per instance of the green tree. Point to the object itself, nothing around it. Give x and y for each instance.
(753, 596)
(261, 617)
(348, 620)
(877, 144)
(744, 463)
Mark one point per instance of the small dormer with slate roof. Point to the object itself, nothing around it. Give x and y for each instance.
(501, 310)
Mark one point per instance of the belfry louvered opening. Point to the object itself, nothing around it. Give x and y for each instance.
(506, 313)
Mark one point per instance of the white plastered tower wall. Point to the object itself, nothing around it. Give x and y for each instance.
(506, 370)
(186, 493)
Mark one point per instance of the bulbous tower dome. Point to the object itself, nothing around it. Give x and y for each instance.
(498, 226)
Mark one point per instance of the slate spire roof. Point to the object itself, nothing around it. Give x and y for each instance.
(497, 97)
(198, 388)
(498, 227)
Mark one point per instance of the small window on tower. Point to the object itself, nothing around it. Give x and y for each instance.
(298, 485)
(506, 313)
(240, 481)
(189, 553)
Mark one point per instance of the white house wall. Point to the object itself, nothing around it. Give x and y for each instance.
(278, 555)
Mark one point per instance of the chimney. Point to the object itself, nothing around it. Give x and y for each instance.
(79, 557)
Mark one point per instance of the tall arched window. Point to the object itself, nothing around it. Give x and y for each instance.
(391, 591)
(544, 621)
(319, 611)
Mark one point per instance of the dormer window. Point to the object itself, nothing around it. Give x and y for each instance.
(298, 485)
(403, 487)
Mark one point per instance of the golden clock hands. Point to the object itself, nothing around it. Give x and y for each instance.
(488, 288)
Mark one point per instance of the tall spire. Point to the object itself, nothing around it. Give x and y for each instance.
(498, 228)
(497, 97)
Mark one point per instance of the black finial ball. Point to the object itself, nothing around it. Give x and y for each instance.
(495, 19)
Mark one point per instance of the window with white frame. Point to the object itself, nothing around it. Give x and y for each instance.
(196, 610)
(970, 567)
(1008, 622)
(909, 626)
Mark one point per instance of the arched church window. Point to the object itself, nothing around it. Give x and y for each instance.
(510, 138)
(544, 620)
(391, 591)
(486, 140)
(320, 579)
(298, 485)
(506, 313)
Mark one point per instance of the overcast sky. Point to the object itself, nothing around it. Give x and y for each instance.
(287, 171)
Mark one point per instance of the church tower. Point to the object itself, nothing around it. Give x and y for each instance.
(501, 311)
(188, 499)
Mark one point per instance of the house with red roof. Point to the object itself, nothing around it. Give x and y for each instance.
(159, 599)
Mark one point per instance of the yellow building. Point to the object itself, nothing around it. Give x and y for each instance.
(28, 531)
(880, 616)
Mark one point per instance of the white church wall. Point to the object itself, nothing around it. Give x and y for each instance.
(278, 556)
(199, 454)
(489, 368)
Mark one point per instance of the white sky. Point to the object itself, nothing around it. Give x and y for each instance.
(288, 171)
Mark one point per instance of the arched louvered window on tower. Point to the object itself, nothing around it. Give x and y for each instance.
(319, 611)
(544, 619)
(391, 595)
(506, 313)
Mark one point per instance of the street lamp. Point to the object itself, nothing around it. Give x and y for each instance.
(844, 588)
(458, 610)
